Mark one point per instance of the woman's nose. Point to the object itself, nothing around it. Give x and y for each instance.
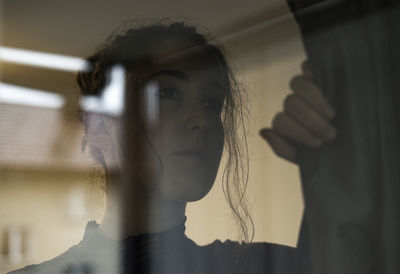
(196, 118)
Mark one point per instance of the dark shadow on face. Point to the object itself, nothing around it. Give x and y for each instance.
(178, 139)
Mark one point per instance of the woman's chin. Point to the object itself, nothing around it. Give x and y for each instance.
(189, 190)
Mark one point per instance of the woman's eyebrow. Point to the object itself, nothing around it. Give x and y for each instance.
(174, 73)
(216, 86)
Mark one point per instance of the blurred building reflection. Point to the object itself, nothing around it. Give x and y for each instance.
(46, 193)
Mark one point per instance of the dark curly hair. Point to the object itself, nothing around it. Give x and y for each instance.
(131, 49)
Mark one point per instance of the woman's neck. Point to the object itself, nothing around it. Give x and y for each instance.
(133, 212)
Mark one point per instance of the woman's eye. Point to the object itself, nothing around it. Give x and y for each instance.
(168, 93)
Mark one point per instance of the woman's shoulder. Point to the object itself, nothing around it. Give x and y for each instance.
(96, 254)
(250, 247)
(255, 257)
(60, 264)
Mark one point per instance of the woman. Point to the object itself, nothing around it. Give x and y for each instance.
(155, 164)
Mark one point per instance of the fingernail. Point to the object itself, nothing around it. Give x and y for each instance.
(331, 113)
(331, 135)
(316, 142)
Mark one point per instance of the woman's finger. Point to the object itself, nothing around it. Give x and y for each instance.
(301, 112)
(312, 95)
(290, 129)
(279, 145)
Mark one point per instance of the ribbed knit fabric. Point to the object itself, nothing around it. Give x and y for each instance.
(165, 253)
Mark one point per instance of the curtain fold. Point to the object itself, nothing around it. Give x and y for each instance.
(352, 185)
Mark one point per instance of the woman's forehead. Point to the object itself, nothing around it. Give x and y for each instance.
(184, 55)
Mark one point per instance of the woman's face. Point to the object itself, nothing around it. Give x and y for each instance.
(181, 105)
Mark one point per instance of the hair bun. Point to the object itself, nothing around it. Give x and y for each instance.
(91, 82)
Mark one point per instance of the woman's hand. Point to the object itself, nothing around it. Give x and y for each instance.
(304, 120)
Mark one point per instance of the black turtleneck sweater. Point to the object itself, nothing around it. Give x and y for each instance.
(165, 253)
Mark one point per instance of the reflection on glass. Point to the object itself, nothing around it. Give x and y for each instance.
(158, 132)
(41, 59)
(118, 163)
